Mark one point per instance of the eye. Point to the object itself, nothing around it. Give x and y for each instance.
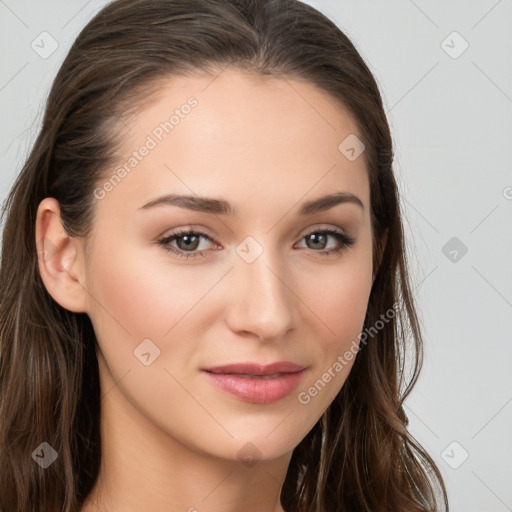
(187, 243)
(320, 240)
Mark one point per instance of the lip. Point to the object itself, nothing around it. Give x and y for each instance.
(256, 383)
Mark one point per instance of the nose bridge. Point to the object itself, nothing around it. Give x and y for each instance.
(263, 303)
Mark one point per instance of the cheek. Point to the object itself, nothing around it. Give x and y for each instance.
(128, 297)
(339, 303)
(135, 298)
(343, 303)
(139, 295)
(341, 297)
(342, 307)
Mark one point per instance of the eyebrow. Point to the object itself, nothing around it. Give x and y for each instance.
(222, 207)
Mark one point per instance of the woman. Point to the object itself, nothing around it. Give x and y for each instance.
(205, 302)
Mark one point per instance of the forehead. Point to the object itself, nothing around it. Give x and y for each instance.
(238, 134)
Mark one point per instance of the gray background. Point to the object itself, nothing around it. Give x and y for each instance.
(451, 117)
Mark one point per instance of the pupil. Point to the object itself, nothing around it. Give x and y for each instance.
(189, 243)
(315, 239)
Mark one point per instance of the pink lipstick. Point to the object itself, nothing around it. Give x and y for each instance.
(256, 383)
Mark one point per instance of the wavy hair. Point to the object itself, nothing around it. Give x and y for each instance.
(359, 456)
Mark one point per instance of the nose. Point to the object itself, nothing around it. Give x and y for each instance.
(263, 303)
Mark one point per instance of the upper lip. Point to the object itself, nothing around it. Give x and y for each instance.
(256, 368)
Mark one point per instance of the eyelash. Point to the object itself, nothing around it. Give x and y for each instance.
(344, 239)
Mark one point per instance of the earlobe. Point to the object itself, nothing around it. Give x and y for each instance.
(59, 258)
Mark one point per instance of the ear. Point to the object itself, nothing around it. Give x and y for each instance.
(60, 258)
(381, 247)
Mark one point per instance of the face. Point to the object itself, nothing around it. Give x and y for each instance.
(249, 270)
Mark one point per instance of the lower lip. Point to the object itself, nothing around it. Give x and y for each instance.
(256, 389)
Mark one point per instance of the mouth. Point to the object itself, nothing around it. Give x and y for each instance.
(256, 383)
(249, 376)
(256, 369)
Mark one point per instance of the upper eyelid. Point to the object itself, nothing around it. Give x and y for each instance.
(344, 240)
(198, 231)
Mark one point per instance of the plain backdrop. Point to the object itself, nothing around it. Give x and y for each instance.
(445, 73)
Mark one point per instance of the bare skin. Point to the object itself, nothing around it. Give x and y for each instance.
(171, 439)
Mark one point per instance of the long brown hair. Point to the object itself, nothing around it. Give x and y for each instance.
(359, 456)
